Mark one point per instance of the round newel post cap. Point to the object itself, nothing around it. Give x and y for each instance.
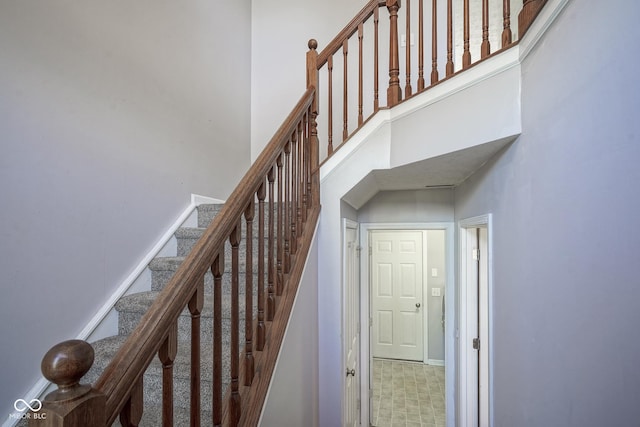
(313, 44)
(66, 363)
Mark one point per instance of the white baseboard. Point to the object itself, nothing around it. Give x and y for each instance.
(105, 321)
(435, 362)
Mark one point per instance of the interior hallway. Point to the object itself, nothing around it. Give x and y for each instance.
(408, 394)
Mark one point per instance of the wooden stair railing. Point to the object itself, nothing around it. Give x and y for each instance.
(292, 155)
(285, 182)
(346, 112)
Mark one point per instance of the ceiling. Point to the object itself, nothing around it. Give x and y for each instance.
(448, 170)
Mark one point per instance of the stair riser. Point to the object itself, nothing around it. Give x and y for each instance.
(159, 280)
(186, 244)
(127, 321)
(206, 214)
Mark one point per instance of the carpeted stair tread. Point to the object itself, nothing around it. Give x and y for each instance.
(140, 302)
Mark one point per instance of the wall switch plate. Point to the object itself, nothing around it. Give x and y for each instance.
(435, 292)
(434, 272)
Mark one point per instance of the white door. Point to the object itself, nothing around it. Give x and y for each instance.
(351, 325)
(396, 294)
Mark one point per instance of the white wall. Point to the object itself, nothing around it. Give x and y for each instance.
(280, 32)
(293, 395)
(564, 200)
(112, 114)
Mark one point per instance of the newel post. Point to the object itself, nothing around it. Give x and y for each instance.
(394, 92)
(528, 13)
(314, 146)
(71, 404)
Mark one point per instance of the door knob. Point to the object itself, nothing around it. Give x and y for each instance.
(351, 372)
(417, 305)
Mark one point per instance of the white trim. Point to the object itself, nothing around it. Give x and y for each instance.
(540, 25)
(435, 362)
(365, 310)
(381, 118)
(198, 200)
(348, 223)
(481, 221)
(104, 314)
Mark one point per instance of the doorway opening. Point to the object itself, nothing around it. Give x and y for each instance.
(475, 322)
(407, 300)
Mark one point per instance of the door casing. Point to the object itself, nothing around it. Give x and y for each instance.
(365, 312)
(468, 395)
(347, 316)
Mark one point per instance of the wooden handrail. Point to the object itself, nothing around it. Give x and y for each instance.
(350, 29)
(119, 386)
(138, 351)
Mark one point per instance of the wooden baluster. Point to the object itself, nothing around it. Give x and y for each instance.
(195, 308)
(248, 293)
(376, 91)
(527, 14)
(330, 107)
(407, 44)
(420, 45)
(485, 47)
(131, 413)
(434, 42)
(294, 194)
(217, 269)
(466, 55)
(449, 69)
(286, 256)
(506, 23)
(394, 94)
(280, 233)
(297, 211)
(271, 273)
(360, 71)
(345, 109)
(301, 181)
(314, 155)
(234, 399)
(71, 404)
(167, 355)
(305, 167)
(312, 80)
(260, 331)
(308, 150)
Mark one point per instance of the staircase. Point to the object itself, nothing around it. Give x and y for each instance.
(131, 308)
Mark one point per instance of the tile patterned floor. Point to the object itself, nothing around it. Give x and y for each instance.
(407, 394)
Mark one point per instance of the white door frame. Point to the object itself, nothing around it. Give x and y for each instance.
(365, 313)
(465, 397)
(347, 223)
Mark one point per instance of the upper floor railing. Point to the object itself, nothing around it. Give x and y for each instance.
(425, 41)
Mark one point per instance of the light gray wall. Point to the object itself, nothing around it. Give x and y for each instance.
(280, 32)
(293, 395)
(111, 115)
(564, 199)
(409, 206)
(436, 259)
